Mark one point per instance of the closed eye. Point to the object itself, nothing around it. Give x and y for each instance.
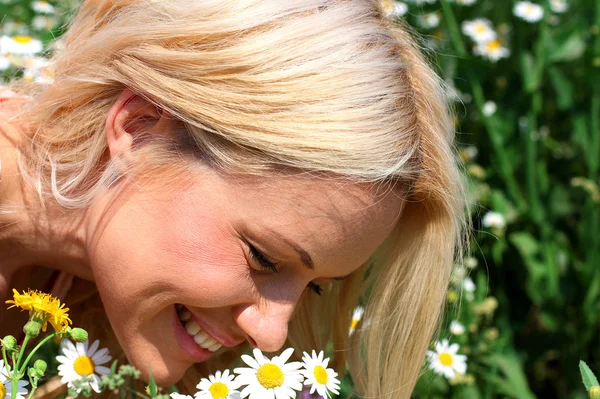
(265, 263)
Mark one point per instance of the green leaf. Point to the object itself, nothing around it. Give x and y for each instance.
(152, 387)
(588, 377)
(113, 368)
(525, 243)
(569, 50)
(563, 88)
(511, 381)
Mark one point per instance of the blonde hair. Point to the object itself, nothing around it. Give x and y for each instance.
(324, 86)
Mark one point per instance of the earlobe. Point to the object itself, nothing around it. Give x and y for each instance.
(130, 117)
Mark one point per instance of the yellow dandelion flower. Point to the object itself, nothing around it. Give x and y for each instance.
(43, 308)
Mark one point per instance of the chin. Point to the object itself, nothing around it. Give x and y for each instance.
(164, 374)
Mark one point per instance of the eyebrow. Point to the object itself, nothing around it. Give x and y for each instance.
(305, 257)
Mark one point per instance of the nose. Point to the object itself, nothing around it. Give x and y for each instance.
(265, 322)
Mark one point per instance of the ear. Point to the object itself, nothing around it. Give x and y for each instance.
(130, 117)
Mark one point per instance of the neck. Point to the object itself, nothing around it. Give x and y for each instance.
(31, 232)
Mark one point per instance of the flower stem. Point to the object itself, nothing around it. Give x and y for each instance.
(494, 133)
(38, 346)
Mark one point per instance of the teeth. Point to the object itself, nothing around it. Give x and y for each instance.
(192, 327)
(185, 315)
(200, 337)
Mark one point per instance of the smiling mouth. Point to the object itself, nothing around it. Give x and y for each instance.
(193, 329)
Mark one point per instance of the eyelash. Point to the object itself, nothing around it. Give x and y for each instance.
(262, 260)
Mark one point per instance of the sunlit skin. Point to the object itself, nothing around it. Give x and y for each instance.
(155, 242)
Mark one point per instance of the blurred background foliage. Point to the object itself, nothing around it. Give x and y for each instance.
(525, 84)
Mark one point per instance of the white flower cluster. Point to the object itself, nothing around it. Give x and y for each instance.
(82, 364)
(487, 43)
(19, 49)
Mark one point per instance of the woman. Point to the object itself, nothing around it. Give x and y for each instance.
(249, 166)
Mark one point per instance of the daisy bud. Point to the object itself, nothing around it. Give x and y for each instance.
(40, 365)
(9, 343)
(594, 392)
(78, 334)
(32, 328)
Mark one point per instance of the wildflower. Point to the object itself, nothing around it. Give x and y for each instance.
(20, 45)
(469, 288)
(6, 385)
(559, 6)
(469, 153)
(466, 2)
(38, 70)
(471, 262)
(456, 328)
(44, 22)
(79, 361)
(175, 395)
(430, 20)
(11, 27)
(356, 316)
(318, 376)
(480, 30)
(218, 386)
(5, 63)
(43, 7)
(445, 361)
(394, 9)
(43, 309)
(489, 108)
(492, 50)
(493, 220)
(528, 11)
(269, 378)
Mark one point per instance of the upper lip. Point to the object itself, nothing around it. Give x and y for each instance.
(222, 338)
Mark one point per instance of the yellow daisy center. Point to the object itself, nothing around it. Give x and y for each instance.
(218, 390)
(494, 45)
(270, 376)
(22, 39)
(354, 323)
(480, 28)
(445, 359)
(84, 365)
(2, 391)
(320, 375)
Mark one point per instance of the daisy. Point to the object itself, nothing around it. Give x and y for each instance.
(492, 50)
(22, 45)
(493, 220)
(559, 6)
(44, 22)
(456, 328)
(489, 108)
(394, 9)
(528, 11)
(429, 21)
(480, 30)
(43, 7)
(466, 2)
(43, 308)
(356, 316)
(5, 63)
(80, 360)
(471, 262)
(318, 376)
(269, 379)
(218, 386)
(444, 360)
(6, 385)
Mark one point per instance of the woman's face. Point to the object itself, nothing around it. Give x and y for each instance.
(202, 243)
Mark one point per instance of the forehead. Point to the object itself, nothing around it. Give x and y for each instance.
(340, 223)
